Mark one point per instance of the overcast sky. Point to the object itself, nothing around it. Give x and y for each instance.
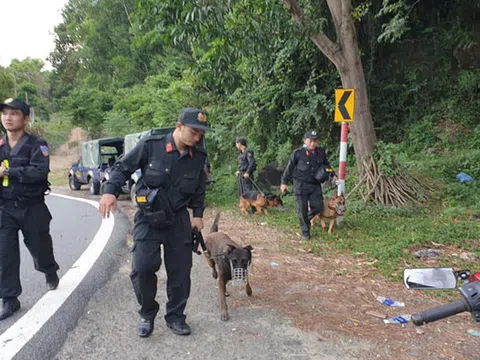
(26, 28)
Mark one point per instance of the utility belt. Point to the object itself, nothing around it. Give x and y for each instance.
(155, 206)
(23, 201)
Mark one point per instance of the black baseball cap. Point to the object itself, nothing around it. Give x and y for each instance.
(312, 134)
(241, 140)
(16, 104)
(194, 118)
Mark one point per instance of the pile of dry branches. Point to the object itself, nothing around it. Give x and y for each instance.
(396, 190)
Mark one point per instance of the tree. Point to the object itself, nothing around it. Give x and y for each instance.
(386, 185)
(6, 84)
(345, 54)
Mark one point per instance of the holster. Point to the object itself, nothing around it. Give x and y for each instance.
(155, 206)
(323, 174)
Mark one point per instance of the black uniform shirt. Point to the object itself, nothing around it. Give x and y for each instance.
(303, 164)
(29, 167)
(162, 165)
(246, 162)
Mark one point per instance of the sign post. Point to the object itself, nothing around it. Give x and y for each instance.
(344, 110)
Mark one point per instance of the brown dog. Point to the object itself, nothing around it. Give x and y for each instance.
(225, 254)
(332, 208)
(258, 201)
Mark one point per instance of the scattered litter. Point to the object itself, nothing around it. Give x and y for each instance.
(420, 332)
(401, 319)
(274, 264)
(464, 178)
(473, 332)
(234, 329)
(376, 314)
(456, 219)
(389, 302)
(428, 253)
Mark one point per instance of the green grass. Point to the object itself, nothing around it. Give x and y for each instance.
(388, 235)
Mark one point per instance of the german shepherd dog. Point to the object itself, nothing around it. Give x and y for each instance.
(258, 201)
(227, 256)
(332, 208)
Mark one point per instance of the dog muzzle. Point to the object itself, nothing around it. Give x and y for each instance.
(239, 275)
(340, 209)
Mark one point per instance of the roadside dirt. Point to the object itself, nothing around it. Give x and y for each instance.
(68, 152)
(332, 295)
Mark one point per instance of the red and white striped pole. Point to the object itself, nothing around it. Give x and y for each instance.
(342, 166)
(344, 113)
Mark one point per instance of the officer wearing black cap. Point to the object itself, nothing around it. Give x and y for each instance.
(308, 167)
(246, 166)
(173, 178)
(24, 177)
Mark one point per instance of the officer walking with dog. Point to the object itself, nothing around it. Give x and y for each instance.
(24, 175)
(173, 178)
(308, 167)
(246, 166)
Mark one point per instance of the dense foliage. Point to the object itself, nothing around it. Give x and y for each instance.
(126, 65)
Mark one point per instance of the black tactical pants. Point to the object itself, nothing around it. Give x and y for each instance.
(34, 222)
(244, 185)
(314, 198)
(146, 261)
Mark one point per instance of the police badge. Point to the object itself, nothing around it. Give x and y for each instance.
(202, 117)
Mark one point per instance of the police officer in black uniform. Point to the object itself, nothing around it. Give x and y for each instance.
(23, 174)
(173, 178)
(246, 166)
(304, 167)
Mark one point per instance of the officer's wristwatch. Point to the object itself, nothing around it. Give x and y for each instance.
(6, 171)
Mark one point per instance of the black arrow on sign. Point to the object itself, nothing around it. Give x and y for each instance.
(341, 105)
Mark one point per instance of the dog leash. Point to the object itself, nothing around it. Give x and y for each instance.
(256, 186)
(197, 239)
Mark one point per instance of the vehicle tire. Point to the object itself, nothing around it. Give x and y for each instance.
(93, 186)
(72, 184)
(133, 190)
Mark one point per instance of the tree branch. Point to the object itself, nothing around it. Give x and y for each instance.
(329, 48)
(335, 7)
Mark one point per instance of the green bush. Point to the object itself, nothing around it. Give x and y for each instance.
(422, 135)
(55, 131)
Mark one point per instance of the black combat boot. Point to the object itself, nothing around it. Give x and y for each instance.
(179, 328)
(145, 327)
(52, 280)
(10, 305)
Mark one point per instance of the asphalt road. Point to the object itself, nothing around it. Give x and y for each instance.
(75, 224)
(107, 329)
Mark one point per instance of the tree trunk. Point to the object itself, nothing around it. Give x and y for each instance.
(353, 76)
(346, 57)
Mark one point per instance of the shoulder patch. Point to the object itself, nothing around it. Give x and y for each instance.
(44, 149)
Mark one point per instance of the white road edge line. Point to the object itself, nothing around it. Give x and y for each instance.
(20, 333)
